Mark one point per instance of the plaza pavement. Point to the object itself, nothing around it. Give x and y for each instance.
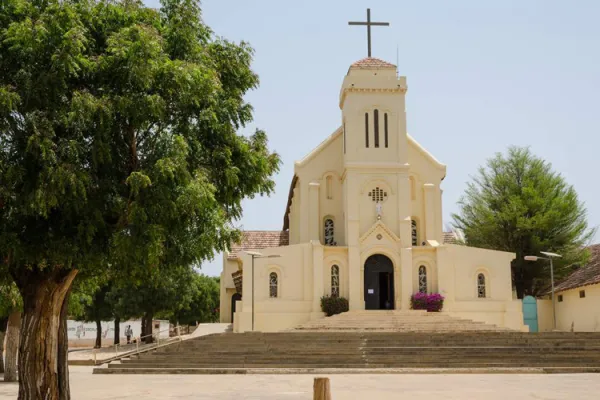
(85, 386)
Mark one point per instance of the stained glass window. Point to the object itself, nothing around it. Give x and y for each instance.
(329, 233)
(273, 285)
(481, 286)
(335, 281)
(415, 236)
(422, 279)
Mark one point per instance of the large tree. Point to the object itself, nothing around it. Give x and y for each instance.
(517, 203)
(118, 149)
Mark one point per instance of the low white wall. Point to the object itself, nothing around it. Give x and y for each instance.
(83, 334)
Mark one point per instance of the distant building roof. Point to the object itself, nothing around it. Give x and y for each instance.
(450, 238)
(372, 62)
(257, 240)
(584, 276)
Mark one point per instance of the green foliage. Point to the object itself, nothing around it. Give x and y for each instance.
(162, 291)
(203, 304)
(517, 203)
(334, 305)
(118, 141)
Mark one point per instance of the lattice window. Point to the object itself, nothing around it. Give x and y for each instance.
(335, 281)
(378, 195)
(481, 286)
(273, 285)
(415, 236)
(422, 279)
(329, 232)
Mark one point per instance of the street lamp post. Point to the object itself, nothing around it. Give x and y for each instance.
(549, 256)
(255, 254)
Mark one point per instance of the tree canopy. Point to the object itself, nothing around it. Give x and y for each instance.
(517, 203)
(119, 149)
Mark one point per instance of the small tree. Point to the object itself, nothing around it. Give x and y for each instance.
(203, 305)
(516, 203)
(10, 311)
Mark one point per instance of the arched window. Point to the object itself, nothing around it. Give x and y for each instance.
(415, 236)
(335, 281)
(481, 286)
(385, 129)
(328, 187)
(367, 129)
(422, 279)
(376, 126)
(273, 285)
(329, 233)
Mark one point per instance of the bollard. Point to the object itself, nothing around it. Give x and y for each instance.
(117, 350)
(137, 345)
(95, 357)
(321, 389)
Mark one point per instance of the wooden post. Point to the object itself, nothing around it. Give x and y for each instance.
(321, 389)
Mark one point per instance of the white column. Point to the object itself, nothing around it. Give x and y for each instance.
(429, 211)
(355, 297)
(313, 211)
(355, 272)
(303, 209)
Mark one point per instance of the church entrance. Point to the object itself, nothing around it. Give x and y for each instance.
(379, 283)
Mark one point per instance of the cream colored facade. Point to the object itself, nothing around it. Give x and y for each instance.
(382, 193)
(573, 312)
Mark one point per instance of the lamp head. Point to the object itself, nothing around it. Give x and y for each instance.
(531, 258)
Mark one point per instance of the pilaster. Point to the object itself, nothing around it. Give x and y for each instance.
(313, 211)
(318, 290)
(407, 277)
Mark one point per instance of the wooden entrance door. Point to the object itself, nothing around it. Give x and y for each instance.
(379, 283)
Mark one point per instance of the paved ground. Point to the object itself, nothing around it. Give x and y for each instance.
(85, 386)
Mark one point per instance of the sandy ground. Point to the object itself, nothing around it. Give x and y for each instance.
(85, 386)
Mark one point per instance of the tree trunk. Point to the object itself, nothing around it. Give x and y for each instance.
(63, 352)
(1, 352)
(147, 321)
(12, 346)
(98, 334)
(117, 330)
(44, 296)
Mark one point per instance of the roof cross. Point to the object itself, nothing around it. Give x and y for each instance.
(369, 24)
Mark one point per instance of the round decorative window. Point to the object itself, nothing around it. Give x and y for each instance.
(378, 195)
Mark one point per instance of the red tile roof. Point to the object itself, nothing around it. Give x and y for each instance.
(371, 62)
(256, 240)
(584, 276)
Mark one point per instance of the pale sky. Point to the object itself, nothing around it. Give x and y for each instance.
(482, 75)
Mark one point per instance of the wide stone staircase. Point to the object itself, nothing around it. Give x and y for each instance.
(447, 346)
(396, 321)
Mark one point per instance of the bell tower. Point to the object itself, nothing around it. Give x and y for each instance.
(372, 100)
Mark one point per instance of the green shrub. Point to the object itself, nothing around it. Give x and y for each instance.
(334, 305)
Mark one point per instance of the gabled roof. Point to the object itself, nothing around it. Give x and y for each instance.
(256, 240)
(372, 63)
(584, 276)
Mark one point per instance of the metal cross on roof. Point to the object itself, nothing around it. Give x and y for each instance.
(369, 24)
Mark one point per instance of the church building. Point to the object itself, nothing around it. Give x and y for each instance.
(363, 221)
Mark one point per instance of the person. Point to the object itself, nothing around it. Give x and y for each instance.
(128, 334)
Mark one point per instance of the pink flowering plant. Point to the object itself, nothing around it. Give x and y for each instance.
(431, 302)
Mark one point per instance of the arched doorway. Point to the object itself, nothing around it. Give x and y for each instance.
(234, 298)
(379, 283)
